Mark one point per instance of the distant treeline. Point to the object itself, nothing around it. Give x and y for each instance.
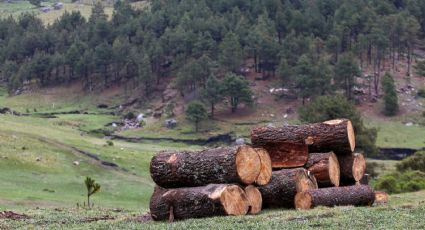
(313, 46)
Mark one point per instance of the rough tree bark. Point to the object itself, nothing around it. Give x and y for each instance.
(358, 195)
(195, 202)
(353, 167)
(334, 135)
(171, 169)
(325, 168)
(283, 186)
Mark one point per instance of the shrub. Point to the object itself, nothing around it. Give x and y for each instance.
(414, 162)
(109, 143)
(398, 182)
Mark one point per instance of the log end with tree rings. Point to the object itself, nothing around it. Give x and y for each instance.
(303, 200)
(248, 164)
(266, 167)
(305, 181)
(359, 166)
(325, 167)
(254, 198)
(234, 200)
(381, 197)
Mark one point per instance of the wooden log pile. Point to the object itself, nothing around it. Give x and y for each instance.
(301, 166)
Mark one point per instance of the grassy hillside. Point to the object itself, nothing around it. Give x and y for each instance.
(404, 211)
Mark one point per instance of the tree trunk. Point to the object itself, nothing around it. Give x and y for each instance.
(266, 167)
(358, 195)
(210, 200)
(254, 198)
(325, 168)
(353, 167)
(283, 186)
(286, 145)
(239, 164)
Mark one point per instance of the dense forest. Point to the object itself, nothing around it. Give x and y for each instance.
(314, 47)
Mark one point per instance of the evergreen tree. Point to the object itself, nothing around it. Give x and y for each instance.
(346, 71)
(196, 113)
(390, 95)
(213, 93)
(231, 52)
(237, 90)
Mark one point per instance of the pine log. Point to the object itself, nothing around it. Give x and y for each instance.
(325, 168)
(358, 195)
(283, 186)
(353, 167)
(254, 198)
(286, 155)
(196, 202)
(171, 169)
(381, 197)
(334, 135)
(266, 167)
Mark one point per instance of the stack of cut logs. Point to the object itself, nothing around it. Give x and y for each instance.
(293, 166)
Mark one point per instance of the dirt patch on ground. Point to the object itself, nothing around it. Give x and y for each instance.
(309, 217)
(144, 218)
(98, 218)
(12, 215)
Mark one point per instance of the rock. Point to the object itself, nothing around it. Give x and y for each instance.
(76, 163)
(409, 124)
(140, 117)
(240, 141)
(270, 125)
(114, 125)
(285, 116)
(272, 115)
(170, 123)
(38, 159)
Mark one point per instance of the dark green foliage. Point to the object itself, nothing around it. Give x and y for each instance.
(332, 107)
(237, 90)
(196, 113)
(398, 182)
(346, 70)
(92, 188)
(130, 115)
(420, 68)
(110, 143)
(414, 162)
(213, 93)
(421, 93)
(390, 95)
(35, 2)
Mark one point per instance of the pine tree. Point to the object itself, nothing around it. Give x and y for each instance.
(195, 113)
(213, 93)
(237, 90)
(390, 95)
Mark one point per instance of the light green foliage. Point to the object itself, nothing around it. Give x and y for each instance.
(399, 182)
(196, 112)
(414, 162)
(92, 188)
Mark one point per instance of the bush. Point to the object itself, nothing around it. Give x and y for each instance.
(414, 162)
(399, 182)
(130, 116)
(109, 143)
(332, 107)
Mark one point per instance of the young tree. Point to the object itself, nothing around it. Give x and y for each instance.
(196, 113)
(390, 95)
(92, 188)
(237, 90)
(213, 93)
(332, 107)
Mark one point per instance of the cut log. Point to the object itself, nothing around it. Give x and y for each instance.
(283, 186)
(358, 195)
(171, 169)
(325, 168)
(353, 167)
(195, 202)
(266, 167)
(334, 135)
(254, 198)
(286, 155)
(381, 197)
